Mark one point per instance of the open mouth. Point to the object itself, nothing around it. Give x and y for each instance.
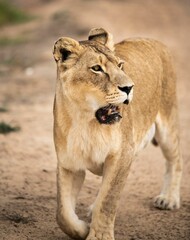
(108, 114)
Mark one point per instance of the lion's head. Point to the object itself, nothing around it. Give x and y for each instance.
(91, 75)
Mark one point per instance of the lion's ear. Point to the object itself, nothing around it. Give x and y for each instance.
(102, 36)
(64, 47)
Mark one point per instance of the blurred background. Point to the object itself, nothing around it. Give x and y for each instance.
(28, 30)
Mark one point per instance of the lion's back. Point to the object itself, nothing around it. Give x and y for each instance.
(148, 63)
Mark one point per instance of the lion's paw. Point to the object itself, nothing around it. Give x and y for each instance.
(78, 230)
(166, 202)
(100, 235)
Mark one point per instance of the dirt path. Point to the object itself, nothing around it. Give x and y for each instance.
(27, 157)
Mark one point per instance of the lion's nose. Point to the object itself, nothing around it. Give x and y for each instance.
(126, 89)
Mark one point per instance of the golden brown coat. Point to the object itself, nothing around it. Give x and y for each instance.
(90, 75)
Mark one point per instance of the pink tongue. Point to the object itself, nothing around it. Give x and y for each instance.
(103, 118)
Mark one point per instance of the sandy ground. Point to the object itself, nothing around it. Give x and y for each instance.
(27, 83)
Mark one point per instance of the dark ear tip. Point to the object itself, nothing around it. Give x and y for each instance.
(91, 37)
(94, 32)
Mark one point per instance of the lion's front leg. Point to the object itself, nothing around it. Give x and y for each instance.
(68, 186)
(104, 210)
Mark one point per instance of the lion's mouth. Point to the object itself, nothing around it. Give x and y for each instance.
(108, 114)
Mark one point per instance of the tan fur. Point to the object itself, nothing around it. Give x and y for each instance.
(83, 143)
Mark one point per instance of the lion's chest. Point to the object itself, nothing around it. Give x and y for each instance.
(89, 145)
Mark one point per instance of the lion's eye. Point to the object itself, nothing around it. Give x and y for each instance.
(97, 68)
(120, 65)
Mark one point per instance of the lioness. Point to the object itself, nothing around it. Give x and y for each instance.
(100, 126)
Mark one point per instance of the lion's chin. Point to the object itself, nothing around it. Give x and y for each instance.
(108, 114)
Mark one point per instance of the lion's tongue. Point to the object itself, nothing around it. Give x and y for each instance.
(108, 114)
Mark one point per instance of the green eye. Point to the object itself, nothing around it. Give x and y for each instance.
(97, 68)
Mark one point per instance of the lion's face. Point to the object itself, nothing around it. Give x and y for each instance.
(91, 75)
